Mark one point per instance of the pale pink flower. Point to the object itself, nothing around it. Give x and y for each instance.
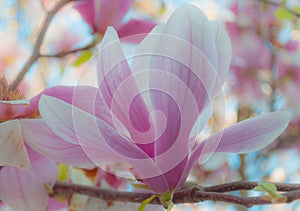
(250, 56)
(289, 78)
(99, 14)
(144, 114)
(254, 15)
(25, 172)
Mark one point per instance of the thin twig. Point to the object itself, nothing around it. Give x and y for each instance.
(36, 52)
(243, 185)
(188, 195)
(279, 5)
(63, 54)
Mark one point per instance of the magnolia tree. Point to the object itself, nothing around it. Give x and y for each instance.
(148, 105)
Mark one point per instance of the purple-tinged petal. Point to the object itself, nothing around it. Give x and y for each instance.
(120, 92)
(102, 143)
(200, 65)
(11, 109)
(171, 177)
(243, 137)
(87, 11)
(24, 189)
(67, 93)
(193, 68)
(13, 151)
(79, 127)
(138, 28)
(54, 205)
(100, 14)
(110, 13)
(200, 51)
(252, 134)
(16, 109)
(40, 138)
(84, 97)
(29, 108)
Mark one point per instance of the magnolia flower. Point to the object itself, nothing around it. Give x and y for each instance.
(246, 66)
(289, 78)
(145, 113)
(99, 14)
(23, 171)
(288, 74)
(255, 15)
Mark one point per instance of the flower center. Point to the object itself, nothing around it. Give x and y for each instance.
(6, 93)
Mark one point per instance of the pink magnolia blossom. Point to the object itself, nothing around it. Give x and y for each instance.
(255, 15)
(99, 14)
(144, 114)
(250, 56)
(24, 171)
(289, 78)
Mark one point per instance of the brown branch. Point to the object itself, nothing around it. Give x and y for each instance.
(36, 52)
(188, 195)
(243, 185)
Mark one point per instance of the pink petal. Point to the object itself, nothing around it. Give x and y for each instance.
(102, 143)
(40, 138)
(24, 189)
(120, 92)
(127, 87)
(139, 28)
(252, 134)
(65, 93)
(110, 13)
(55, 205)
(79, 127)
(169, 179)
(24, 109)
(83, 97)
(13, 151)
(87, 11)
(191, 75)
(16, 109)
(100, 14)
(243, 137)
(10, 109)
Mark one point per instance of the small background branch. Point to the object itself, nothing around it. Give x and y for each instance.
(36, 52)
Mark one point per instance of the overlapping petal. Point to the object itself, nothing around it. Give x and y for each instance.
(118, 88)
(100, 14)
(12, 147)
(39, 137)
(200, 64)
(24, 189)
(135, 30)
(100, 142)
(243, 137)
(12, 109)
